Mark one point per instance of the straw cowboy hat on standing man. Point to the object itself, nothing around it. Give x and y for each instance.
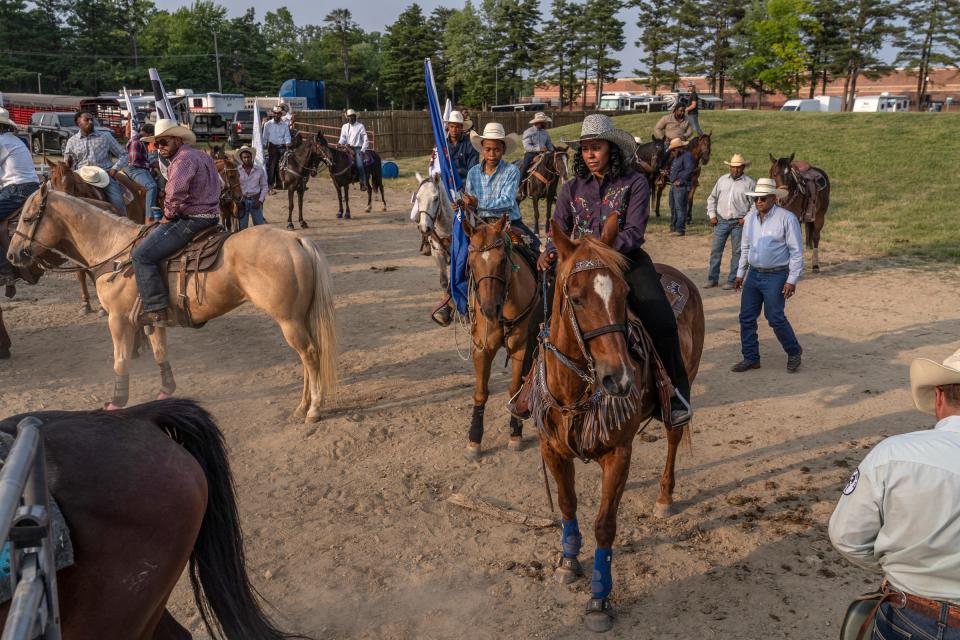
(727, 207)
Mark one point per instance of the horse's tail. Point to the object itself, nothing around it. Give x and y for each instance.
(323, 321)
(229, 605)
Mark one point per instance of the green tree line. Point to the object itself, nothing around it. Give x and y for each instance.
(484, 52)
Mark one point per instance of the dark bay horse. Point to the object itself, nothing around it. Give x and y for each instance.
(547, 172)
(231, 193)
(504, 298)
(808, 197)
(159, 496)
(648, 159)
(592, 400)
(296, 168)
(343, 173)
(699, 147)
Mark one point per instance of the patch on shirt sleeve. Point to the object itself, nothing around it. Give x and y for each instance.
(852, 482)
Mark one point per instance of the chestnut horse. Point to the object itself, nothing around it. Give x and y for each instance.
(505, 298)
(595, 396)
(787, 175)
(160, 496)
(700, 148)
(343, 173)
(231, 193)
(542, 181)
(285, 276)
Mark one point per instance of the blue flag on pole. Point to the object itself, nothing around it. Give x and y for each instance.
(459, 241)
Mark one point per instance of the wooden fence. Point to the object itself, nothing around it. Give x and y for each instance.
(409, 133)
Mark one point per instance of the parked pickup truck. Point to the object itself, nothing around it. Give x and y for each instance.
(208, 126)
(241, 127)
(50, 130)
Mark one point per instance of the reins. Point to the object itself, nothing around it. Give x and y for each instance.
(507, 325)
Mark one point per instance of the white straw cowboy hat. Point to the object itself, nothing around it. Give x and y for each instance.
(277, 109)
(767, 187)
(737, 161)
(541, 117)
(926, 375)
(676, 143)
(166, 128)
(597, 126)
(245, 149)
(5, 118)
(455, 117)
(92, 174)
(350, 112)
(494, 131)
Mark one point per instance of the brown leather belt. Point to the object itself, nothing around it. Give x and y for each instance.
(931, 609)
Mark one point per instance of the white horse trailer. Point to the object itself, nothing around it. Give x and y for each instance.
(881, 103)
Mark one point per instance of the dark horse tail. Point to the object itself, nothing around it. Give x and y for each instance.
(229, 605)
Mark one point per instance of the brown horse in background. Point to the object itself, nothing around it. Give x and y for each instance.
(699, 148)
(231, 193)
(296, 168)
(547, 172)
(595, 395)
(504, 299)
(159, 498)
(647, 159)
(789, 174)
(343, 173)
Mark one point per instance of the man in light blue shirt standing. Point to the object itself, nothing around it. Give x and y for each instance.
(771, 261)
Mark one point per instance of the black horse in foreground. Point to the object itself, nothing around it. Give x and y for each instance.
(343, 172)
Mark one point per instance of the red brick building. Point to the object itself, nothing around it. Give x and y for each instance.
(943, 83)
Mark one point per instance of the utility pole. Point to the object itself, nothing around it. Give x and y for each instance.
(216, 50)
(39, 90)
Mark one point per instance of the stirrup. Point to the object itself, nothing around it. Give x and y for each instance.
(680, 417)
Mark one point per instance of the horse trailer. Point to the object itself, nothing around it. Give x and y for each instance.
(884, 102)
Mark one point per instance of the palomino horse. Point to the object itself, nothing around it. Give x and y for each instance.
(343, 173)
(504, 299)
(808, 197)
(296, 167)
(160, 495)
(547, 171)
(699, 147)
(65, 179)
(285, 276)
(231, 193)
(590, 396)
(434, 217)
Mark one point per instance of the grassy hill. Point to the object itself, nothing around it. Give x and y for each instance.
(895, 177)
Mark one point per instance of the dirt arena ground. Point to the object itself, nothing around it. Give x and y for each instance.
(348, 530)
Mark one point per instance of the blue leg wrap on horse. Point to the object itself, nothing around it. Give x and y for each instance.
(571, 538)
(602, 581)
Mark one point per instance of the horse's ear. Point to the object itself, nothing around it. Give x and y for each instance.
(467, 227)
(51, 163)
(610, 230)
(791, 157)
(772, 159)
(502, 223)
(68, 161)
(710, 133)
(419, 177)
(561, 241)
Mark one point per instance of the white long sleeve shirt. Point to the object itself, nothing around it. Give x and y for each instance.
(16, 163)
(729, 198)
(276, 132)
(900, 512)
(354, 135)
(775, 242)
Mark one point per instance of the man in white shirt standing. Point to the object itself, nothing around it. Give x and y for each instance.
(354, 135)
(900, 514)
(727, 206)
(18, 179)
(276, 135)
(771, 250)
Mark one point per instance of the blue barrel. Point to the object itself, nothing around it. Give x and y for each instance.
(389, 169)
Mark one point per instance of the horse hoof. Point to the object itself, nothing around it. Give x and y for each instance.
(384, 207)
(339, 215)
(163, 395)
(111, 407)
(599, 616)
(472, 452)
(102, 313)
(312, 417)
(569, 571)
(515, 443)
(303, 225)
(290, 226)
(4, 354)
(299, 414)
(367, 210)
(816, 268)
(663, 510)
(85, 309)
(346, 216)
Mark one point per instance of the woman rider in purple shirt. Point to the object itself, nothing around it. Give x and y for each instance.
(606, 185)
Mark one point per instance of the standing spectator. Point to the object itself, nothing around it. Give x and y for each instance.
(772, 251)
(276, 135)
(693, 108)
(900, 514)
(253, 183)
(18, 179)
(727, 205)
(681, 173)
(97, 148)
(138, 168)
(354, 135)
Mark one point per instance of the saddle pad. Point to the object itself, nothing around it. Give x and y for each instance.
(59, 535)
(677, 293)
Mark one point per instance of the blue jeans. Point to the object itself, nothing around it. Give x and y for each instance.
(162, 241)
(249, 207)
(12, 198)
(144, 178)
(765, 290)
(694, 120)
(894, 623)
(114, 193)
(358, 161)
(678, 208)
(725, 229)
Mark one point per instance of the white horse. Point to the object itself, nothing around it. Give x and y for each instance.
(433, 213)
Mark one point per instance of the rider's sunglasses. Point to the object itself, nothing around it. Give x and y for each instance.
(162, 142)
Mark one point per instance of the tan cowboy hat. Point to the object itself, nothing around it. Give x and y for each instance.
(926, 375)
(92, 174)
(737, 161)
(767, 187)
(676, 143)
(541, 117)
(598, 126)
(277, 109)
(5, 118)
(494, 131)
(455, 117)
(244, 149)
(166, 128)
(350, 112)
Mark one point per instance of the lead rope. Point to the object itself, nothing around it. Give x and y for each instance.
(544, 332)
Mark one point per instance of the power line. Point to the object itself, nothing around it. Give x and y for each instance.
(71, 55)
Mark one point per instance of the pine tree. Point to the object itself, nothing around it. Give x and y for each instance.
(406, 44)
(654, 20)
(605, 37)
(931, 38)
(864, 26)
